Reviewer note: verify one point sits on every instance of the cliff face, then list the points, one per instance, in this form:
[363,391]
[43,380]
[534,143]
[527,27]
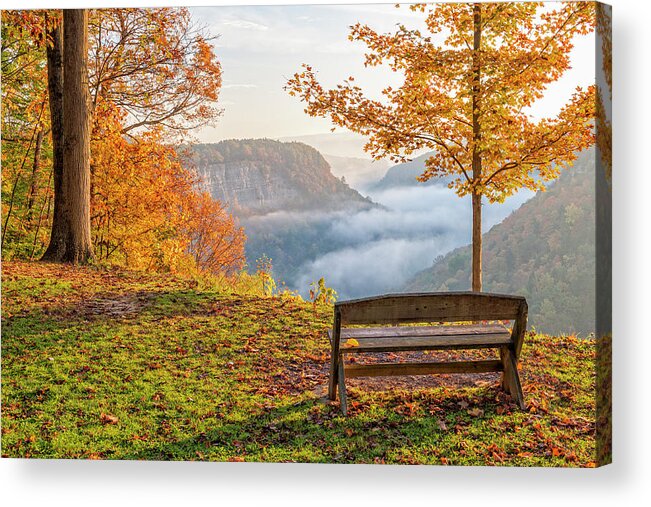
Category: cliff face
[258,176]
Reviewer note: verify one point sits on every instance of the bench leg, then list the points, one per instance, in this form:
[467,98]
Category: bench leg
[335,361]
[511,378]
[342,388]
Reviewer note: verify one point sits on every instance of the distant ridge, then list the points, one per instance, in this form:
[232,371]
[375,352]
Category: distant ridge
[405,174]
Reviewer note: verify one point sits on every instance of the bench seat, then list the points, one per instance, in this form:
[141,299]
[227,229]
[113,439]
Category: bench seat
[412,338]
[403,323]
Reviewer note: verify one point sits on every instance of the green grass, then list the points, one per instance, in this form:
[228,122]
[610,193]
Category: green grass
[118,365]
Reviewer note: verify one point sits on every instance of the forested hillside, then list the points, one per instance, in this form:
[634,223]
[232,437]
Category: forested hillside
[403,175]
[545,251]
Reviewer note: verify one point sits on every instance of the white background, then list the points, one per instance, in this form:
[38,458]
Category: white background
[626,482]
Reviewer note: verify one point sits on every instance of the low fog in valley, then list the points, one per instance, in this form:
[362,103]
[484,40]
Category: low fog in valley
[376,251]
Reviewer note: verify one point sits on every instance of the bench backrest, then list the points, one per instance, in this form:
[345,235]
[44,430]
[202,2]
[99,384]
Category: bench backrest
[433,307]
[430,307]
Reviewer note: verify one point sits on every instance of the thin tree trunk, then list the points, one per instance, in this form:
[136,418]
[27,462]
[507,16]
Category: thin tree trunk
[476,154]
[36,165]
[19,174]
[476,243]
[46,201]
[56,246]
[76,146]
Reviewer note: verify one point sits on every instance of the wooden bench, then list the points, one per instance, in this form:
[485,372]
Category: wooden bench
[389,313]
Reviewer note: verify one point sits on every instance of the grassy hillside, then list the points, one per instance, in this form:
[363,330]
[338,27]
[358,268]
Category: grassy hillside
[545,250]
[108,364]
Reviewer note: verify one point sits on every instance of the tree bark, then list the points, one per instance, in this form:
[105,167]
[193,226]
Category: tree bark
[75,245]
[56,246]
[476,153]
[76,128]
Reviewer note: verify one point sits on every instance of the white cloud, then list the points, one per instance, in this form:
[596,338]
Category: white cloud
[245,25]
[239,85]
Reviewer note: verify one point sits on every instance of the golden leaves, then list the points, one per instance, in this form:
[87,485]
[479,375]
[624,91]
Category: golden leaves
[521,53]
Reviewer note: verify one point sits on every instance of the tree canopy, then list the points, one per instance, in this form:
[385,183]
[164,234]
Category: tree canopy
[153,77]
[469,81]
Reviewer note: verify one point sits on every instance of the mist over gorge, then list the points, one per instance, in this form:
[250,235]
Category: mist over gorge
[369,251]
[312,224]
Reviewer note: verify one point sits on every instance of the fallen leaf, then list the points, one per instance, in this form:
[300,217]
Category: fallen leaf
[476,412]
[351,342]
[108,419]
[502,409]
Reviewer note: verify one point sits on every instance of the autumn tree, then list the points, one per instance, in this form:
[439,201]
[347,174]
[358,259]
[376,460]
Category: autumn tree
[157,65]
[76,246]
[215,240]
[24,125]
[469,81]
[147,211]
[153,77]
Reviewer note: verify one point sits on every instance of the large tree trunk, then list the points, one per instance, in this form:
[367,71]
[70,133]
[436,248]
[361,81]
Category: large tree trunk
[56,247]
[77,245]
[476,154]
[76,128]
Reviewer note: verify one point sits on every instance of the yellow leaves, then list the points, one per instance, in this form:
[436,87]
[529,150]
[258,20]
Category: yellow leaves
[522,51]
[146,211]
[351,342]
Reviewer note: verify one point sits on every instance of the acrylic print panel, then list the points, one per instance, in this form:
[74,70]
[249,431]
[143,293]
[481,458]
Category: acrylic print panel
[319,233]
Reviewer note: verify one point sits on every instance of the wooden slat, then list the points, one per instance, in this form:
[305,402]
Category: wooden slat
[388,369]
[429,307]
[408,343]
[398,331]
[411,331]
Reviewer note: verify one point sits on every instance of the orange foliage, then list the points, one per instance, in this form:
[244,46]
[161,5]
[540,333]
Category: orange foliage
[467,103]
[156,65]
[146,211]
[153,74]
[214,240]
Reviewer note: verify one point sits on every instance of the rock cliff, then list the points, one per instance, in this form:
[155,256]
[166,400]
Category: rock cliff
[259,176]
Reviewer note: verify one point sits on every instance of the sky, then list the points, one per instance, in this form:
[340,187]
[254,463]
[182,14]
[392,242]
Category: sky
[260,47]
